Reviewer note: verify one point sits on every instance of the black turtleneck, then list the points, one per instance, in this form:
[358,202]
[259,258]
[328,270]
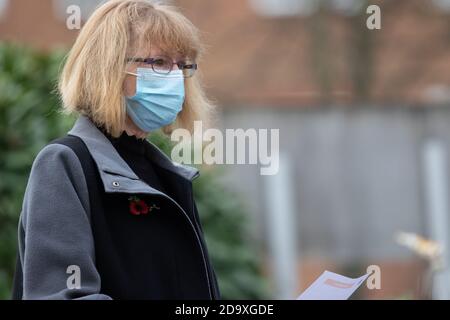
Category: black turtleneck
[134,151]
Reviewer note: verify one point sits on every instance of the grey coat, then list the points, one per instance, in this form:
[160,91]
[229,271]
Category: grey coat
[55,224]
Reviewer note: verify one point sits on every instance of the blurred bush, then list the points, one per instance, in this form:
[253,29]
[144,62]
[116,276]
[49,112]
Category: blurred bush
[29,118]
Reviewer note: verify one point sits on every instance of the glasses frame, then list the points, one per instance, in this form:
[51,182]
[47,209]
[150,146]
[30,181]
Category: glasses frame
[181,65]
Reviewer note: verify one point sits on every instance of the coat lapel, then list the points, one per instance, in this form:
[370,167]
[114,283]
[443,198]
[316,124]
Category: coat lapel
[115,173]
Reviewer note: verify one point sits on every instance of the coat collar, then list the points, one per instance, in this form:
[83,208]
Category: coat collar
[115,173]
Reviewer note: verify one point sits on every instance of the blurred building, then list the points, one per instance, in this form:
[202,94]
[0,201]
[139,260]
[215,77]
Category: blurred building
[355,107]
[288,53]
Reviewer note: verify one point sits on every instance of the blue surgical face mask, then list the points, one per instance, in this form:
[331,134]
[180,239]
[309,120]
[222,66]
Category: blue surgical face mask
[158,99]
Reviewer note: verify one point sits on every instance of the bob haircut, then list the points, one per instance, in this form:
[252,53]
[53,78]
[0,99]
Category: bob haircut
[93,76]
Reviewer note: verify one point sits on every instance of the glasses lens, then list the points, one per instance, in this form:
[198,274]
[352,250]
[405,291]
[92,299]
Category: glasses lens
[162,65]
[189,69]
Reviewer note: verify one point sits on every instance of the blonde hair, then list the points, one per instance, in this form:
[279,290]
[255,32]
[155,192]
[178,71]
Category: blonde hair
[92,79]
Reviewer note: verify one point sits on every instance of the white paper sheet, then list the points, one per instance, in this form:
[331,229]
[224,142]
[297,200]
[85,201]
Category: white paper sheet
[332,286]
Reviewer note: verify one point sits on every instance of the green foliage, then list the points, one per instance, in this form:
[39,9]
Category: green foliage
[29,118]
[224,219]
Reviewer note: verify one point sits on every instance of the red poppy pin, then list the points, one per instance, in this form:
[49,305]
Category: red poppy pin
[140,207]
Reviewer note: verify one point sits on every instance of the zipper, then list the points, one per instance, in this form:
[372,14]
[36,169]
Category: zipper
[199,242]
[213,295]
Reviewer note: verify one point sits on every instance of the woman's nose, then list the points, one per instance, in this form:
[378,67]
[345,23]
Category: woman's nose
[175,66]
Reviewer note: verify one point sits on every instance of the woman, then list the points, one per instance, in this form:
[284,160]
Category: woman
[121,222]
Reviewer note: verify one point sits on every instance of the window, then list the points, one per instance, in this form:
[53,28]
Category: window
[3,7]
[443,4]
[347,7]
[86,6]
[280,8]
[284,8]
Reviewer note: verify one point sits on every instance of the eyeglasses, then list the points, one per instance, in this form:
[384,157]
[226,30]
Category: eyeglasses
[164,65]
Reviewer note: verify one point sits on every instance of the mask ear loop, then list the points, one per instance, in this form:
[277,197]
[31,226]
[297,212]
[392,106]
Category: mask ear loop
[131,73]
